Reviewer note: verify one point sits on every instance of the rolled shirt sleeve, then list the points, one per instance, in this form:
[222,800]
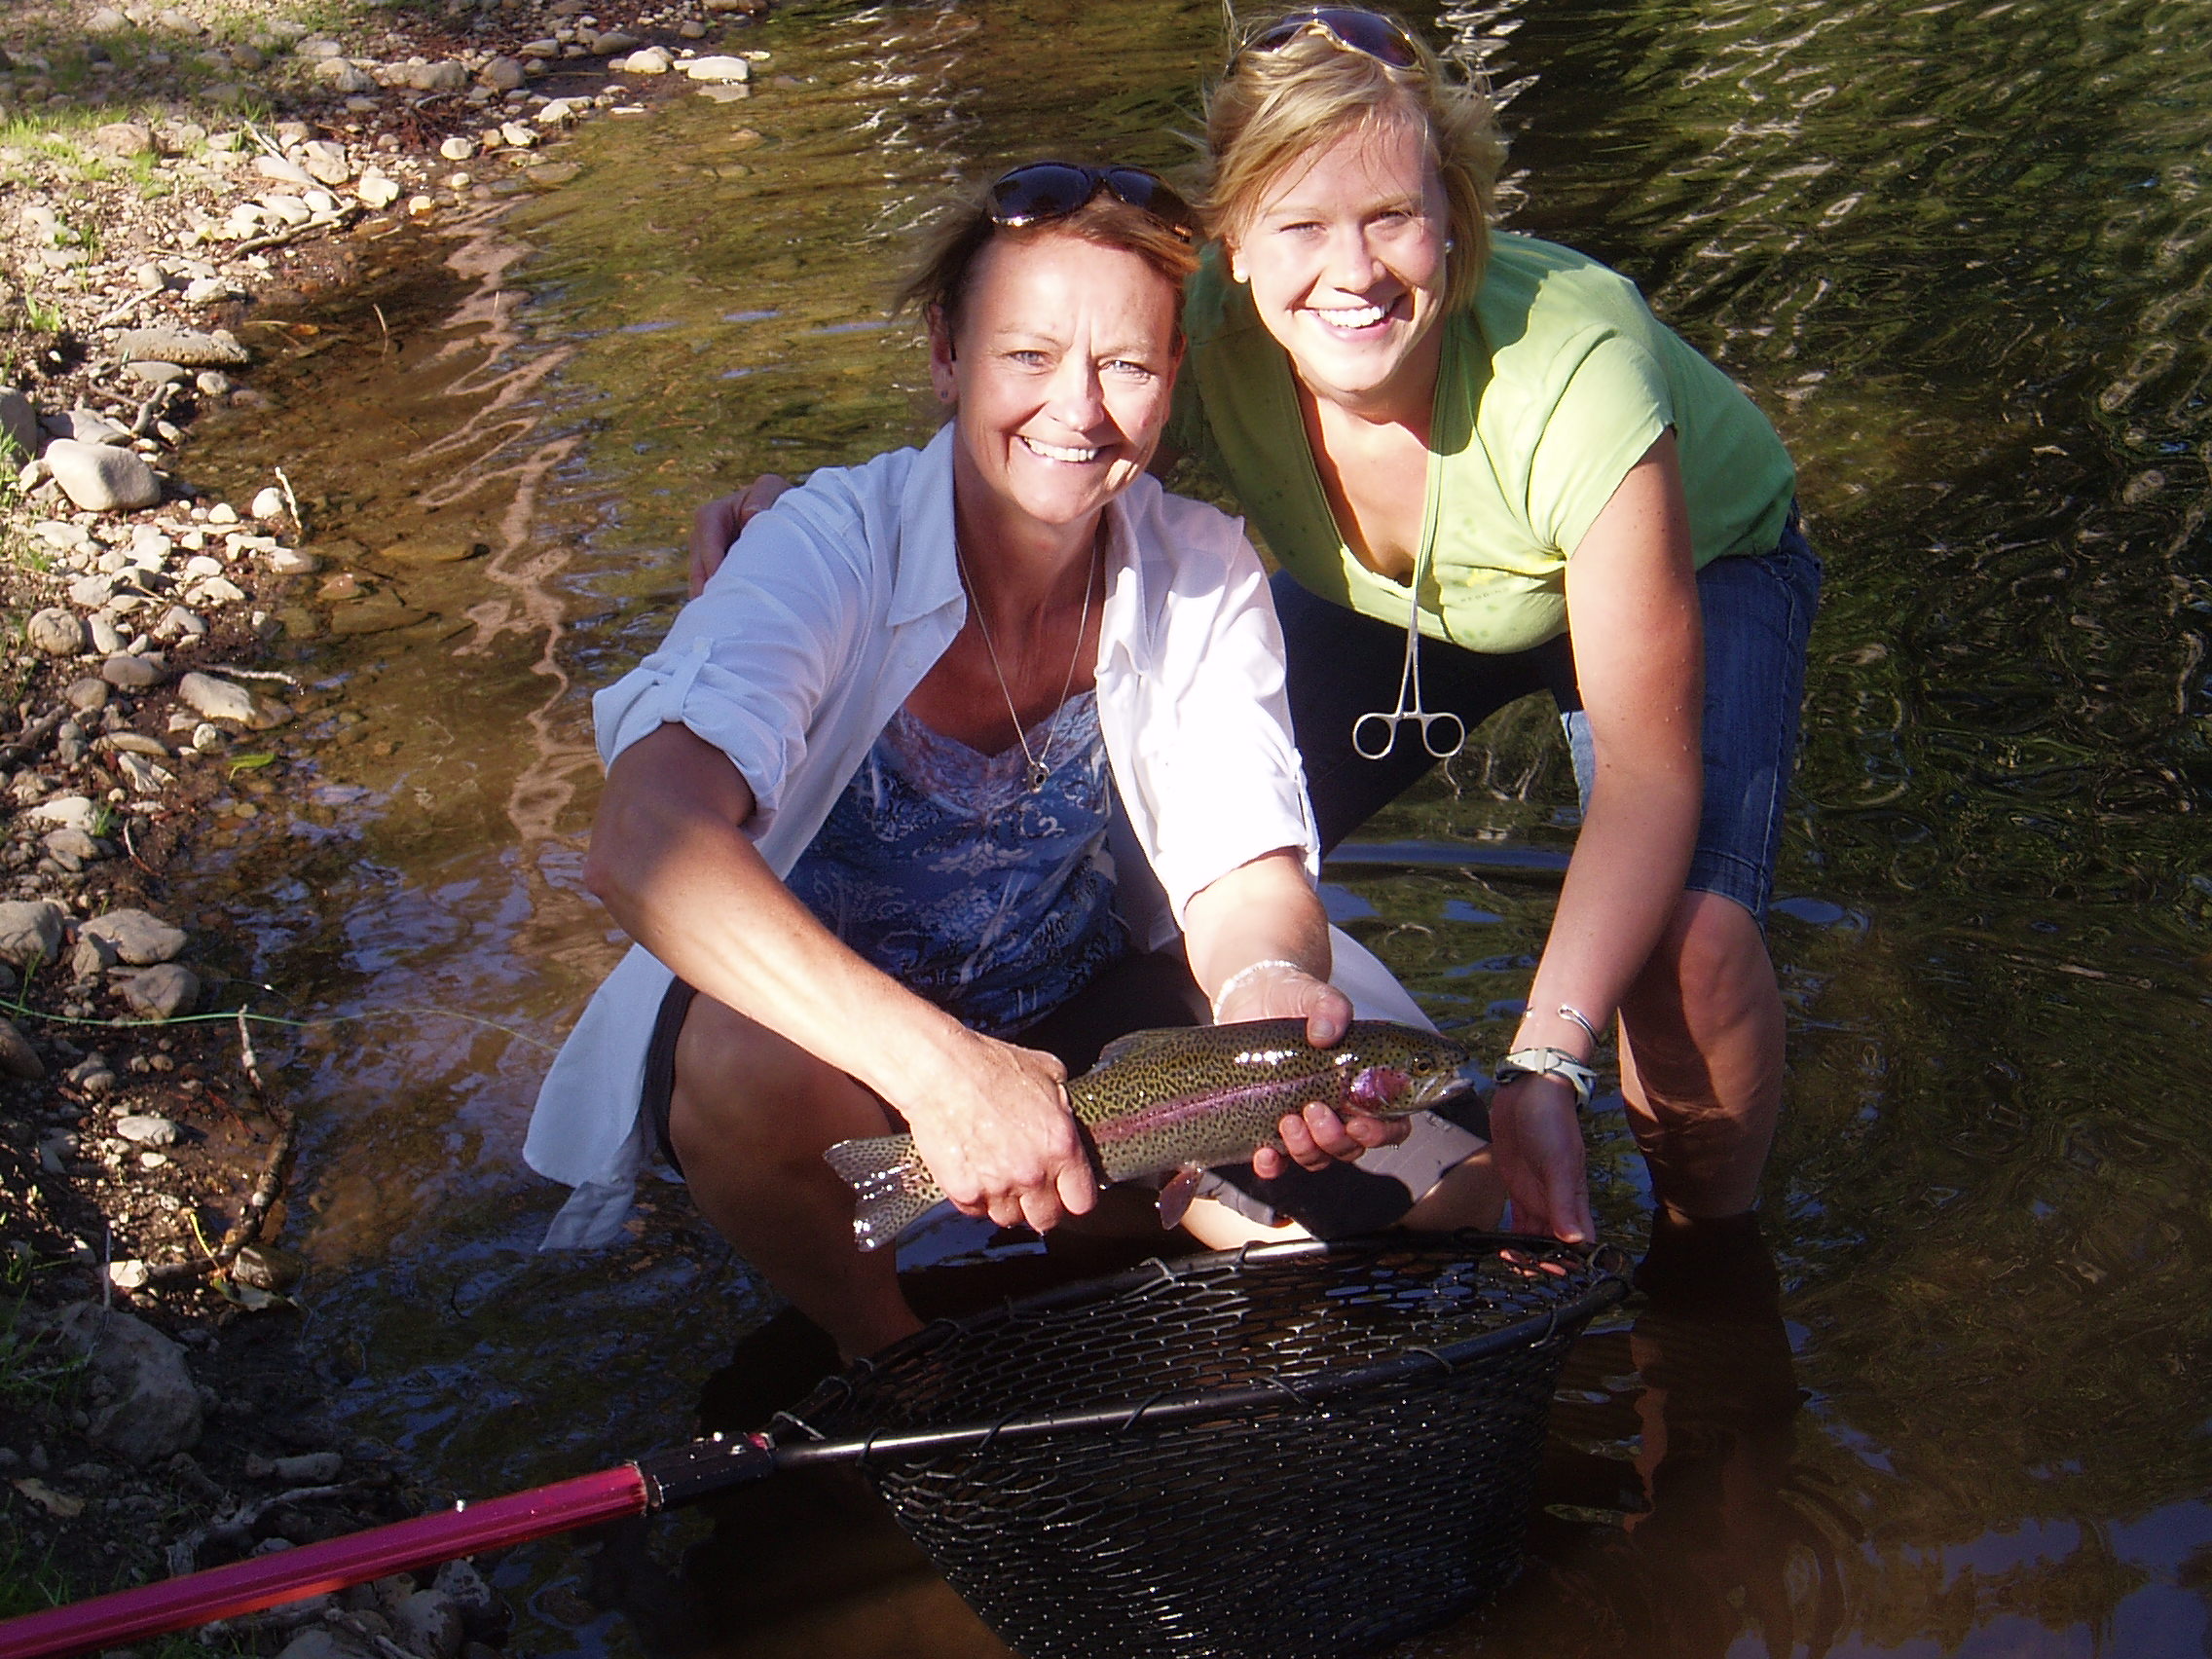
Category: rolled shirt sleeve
[747,665]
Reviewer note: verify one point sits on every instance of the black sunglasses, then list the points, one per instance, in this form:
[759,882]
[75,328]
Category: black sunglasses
[1052,190]
[1345,26]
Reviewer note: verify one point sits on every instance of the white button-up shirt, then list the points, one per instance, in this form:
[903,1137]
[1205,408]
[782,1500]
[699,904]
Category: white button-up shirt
[826,615]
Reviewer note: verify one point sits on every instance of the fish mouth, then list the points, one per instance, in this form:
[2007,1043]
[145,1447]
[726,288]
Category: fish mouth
[1435,1090]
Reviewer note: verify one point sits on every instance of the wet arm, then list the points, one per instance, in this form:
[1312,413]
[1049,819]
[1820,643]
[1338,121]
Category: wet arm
[1638,649]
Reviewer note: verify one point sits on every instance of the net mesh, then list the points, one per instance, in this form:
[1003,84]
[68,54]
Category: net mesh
[1330,1518]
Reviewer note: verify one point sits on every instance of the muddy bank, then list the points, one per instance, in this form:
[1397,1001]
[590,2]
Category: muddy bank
[182,192]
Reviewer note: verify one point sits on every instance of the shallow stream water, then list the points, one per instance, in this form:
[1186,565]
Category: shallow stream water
[1961,252]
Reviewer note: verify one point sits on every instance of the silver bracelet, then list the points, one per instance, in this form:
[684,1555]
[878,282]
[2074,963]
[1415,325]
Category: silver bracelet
[1238,978]
[1568,1011]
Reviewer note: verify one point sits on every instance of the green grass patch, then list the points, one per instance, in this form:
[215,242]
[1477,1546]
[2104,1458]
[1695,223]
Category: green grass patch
[30,1582]
[33,1375]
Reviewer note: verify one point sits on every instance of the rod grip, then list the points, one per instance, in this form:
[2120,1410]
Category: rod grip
[290,1576]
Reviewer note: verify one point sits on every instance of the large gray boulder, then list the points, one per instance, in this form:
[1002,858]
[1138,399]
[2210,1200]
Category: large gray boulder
[153,1411]
[102,478]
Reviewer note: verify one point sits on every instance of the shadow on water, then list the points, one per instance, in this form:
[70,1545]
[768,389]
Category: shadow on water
[1963,254]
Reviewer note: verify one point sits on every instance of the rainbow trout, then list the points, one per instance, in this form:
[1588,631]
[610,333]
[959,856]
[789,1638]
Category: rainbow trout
[1182,1100]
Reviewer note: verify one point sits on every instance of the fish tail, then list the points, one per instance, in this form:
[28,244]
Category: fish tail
[894,1187]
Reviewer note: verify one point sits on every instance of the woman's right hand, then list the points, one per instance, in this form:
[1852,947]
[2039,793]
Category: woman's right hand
[1538,1139]
[1010,1148]
[717,523]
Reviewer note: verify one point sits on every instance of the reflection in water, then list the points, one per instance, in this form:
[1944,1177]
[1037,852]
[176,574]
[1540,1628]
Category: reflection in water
[1962,253]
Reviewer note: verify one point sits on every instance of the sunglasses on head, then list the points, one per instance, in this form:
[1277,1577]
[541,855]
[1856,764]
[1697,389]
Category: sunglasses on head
[1344,27]
[1052,190]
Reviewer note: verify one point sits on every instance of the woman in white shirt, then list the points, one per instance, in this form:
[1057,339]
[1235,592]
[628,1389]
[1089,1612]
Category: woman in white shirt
[858,806]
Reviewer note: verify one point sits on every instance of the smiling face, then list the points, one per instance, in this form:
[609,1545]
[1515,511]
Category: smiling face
[1345,251]
[1062,371]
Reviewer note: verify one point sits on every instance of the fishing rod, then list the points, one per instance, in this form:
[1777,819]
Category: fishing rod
[669,1479]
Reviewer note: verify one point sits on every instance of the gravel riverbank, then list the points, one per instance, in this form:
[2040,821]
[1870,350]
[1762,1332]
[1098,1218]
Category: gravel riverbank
[167,173]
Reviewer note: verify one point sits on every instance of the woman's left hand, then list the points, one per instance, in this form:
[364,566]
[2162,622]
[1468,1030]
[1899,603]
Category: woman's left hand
[1319,1136]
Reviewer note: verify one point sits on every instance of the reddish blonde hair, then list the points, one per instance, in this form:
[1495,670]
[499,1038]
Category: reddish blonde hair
[938,285]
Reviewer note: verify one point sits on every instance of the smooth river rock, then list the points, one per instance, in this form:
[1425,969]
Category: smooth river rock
[56,632]
[19,423]
[163,992]
[146,1128]
[186,346]
[139,937]
[102,478]
[18,1058]
[126,673]
[30,930]
[155,1410]
[88,695]
[215,699]
[71,812]
[719,69]
[429,1624]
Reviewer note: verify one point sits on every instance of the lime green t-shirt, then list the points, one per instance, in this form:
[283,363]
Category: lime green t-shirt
[1552,385]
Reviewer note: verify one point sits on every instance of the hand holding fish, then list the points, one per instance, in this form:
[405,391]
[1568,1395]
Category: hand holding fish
[1317,1137]
[1176,1102]
[1010,1148]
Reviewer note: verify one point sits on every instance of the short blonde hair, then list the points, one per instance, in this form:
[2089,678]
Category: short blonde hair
[1272,108]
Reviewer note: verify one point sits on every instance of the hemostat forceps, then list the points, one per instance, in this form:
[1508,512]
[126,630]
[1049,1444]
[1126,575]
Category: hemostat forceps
[1374,742]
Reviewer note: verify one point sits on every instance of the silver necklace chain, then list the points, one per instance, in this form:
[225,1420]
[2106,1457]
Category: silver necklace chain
[1037,766]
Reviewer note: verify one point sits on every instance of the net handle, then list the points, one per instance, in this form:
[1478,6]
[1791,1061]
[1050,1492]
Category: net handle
[1161,1410]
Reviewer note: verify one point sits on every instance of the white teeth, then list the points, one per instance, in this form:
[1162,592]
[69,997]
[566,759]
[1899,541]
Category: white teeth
[1054,452]
[1350,316]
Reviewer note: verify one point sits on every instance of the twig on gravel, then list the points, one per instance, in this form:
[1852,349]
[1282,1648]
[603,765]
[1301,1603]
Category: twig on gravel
[234,1527]
[250,674]
[298,523]
[246,1056]
[152,409]
[122,310]
[284,239]
[275,1169]
[34,733]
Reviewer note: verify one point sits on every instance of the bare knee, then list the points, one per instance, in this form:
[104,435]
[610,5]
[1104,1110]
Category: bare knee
[1708,988]
[741,1091]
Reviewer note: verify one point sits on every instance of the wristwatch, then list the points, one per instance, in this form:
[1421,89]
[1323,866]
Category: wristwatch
[1551,1062]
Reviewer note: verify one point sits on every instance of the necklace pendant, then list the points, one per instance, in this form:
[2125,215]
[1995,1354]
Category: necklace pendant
[1036,776]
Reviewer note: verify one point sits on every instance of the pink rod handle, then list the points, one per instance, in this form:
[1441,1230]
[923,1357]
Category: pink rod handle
[263,1581]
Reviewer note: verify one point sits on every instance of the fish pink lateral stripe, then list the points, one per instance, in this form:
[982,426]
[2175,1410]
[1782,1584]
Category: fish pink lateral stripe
[1185,1108]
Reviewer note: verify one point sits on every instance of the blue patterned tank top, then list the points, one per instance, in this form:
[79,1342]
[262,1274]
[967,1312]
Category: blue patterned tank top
[940,867]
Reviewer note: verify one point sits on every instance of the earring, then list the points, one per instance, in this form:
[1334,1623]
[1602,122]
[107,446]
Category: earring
[1449,244]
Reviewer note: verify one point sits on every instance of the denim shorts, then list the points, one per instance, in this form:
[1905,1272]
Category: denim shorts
[1759,613]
